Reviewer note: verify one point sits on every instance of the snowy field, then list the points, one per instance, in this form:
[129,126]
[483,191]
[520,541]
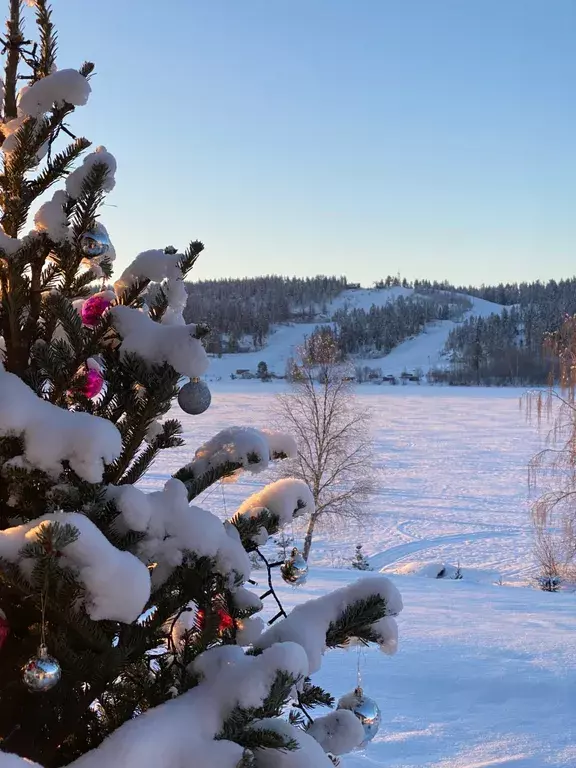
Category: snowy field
[486,673]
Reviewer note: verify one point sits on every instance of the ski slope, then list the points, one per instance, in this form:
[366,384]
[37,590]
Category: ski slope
[424,351]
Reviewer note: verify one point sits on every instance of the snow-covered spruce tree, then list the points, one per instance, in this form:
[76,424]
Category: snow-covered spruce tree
[128,636]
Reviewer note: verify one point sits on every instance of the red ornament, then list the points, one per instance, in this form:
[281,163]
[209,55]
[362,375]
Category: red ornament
[226,621]
[93,309]
[4,628]
[93,383]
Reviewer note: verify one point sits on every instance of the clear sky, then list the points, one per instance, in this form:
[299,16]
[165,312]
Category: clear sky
[435,138]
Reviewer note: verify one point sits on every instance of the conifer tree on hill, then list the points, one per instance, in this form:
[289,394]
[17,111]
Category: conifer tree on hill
[128,634]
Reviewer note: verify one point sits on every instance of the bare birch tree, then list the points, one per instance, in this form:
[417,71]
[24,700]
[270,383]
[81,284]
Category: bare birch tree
[553,469]
[334,447]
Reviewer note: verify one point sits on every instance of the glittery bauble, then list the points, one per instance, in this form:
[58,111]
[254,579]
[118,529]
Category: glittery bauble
[93,383]
[365,709]
[194,397]
[4,628]
[93,309]
[42,672]
[294,570]
[94,244]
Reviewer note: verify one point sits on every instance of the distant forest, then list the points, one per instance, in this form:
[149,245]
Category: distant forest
[242,311]
[503,349]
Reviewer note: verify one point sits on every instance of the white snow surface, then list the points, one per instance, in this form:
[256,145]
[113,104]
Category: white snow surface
[309,754]
[52,435]
[117,583]
[76,179]
[180,733]
[51,219]
[154,265]
[287,498]
[62,86]
[308,623]
[484,674]
[157,343]
[9,244]
[338,732]
[172,528]
[252,448]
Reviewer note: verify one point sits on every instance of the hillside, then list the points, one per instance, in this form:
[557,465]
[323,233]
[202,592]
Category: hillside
[424,351]
[462,335]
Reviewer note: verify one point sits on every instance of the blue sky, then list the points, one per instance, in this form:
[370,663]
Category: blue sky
[362,137]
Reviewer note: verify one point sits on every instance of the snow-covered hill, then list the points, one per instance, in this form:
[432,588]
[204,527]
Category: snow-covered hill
[424,351]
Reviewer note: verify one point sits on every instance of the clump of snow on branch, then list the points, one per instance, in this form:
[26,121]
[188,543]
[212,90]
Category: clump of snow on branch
[171,528]
[252,448]
[153,265]
[181,733]
[308,623]
[154,431]
[66,86]
[158,344]
[76,179]
[52,435]
[287,498]
[249,630]
[177,297]
[51,218]
[117,584]
[245,600]
[309,754]
[184,623]
[281,444]
[338,732]
[10,129]
[8,244]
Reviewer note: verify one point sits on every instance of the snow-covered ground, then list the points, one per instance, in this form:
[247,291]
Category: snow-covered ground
[485,673]
[424,351]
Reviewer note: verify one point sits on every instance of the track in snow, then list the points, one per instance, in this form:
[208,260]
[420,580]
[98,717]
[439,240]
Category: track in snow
[394,554]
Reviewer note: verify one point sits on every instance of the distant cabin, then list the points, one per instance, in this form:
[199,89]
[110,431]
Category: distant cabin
[353,286]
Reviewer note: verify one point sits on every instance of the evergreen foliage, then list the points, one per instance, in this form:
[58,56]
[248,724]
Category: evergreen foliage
[69,512]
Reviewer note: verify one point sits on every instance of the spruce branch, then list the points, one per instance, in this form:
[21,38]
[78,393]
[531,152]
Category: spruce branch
[48,40]
[14,40]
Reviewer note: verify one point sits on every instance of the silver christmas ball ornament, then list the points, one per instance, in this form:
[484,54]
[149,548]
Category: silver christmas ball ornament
[365,709]
[194,398]
[41,672]
[94,243]
[294,570]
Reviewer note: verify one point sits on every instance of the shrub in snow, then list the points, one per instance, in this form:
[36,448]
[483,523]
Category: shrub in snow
[360,562]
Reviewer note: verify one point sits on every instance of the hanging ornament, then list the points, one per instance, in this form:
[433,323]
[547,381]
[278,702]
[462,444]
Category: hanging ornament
[294,569]
[365,709]
[41,672]
[93,383]
[194,398]
[93,309]
[225,621]
[94,243]
[4,628]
